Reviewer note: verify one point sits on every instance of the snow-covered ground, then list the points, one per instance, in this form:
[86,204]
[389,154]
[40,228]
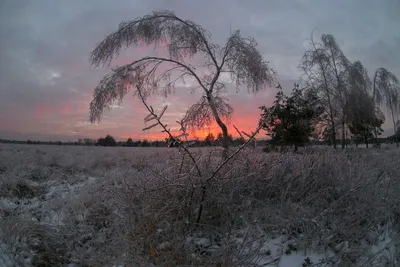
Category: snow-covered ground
[90,206]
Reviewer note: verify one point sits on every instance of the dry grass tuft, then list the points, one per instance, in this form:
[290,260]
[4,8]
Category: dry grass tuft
[33,244]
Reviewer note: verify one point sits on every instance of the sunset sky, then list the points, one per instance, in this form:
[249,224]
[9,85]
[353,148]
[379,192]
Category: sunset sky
[46,83]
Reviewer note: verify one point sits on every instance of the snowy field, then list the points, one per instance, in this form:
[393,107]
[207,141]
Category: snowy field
[93,206]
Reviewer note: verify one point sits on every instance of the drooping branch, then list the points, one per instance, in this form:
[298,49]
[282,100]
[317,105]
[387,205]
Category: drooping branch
[110,89]
[338,61]
[114,86]
[358,78]
[383,83]
[246,64]
[183,38]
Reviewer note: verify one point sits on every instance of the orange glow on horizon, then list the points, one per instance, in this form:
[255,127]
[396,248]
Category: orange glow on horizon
[197,134]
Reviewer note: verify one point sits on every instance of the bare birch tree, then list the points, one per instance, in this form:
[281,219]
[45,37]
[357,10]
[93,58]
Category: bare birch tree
[327,69]
[386,93]
[338,67]
[361,87]
[363,117]
[315,65]
[183,39]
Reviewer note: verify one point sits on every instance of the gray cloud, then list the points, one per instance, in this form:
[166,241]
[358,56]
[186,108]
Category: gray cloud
[44,48]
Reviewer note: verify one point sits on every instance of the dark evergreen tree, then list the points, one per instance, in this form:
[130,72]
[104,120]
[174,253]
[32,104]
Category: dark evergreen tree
[292,117]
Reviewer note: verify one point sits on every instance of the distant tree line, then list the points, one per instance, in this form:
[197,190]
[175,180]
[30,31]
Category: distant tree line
[110,141]
[209,141]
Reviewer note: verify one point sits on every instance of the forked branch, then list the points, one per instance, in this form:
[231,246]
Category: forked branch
[157,118]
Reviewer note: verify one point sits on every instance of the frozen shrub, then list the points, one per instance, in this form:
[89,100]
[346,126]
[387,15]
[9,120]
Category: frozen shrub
[19,187]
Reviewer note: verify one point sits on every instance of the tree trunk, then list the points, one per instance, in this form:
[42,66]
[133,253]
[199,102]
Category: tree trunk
[339,88]
[333,135]
[224,129]
[376,138]
[225,140]
[373,99]
[332,123]
[343,135]
[329,105]
[366,140]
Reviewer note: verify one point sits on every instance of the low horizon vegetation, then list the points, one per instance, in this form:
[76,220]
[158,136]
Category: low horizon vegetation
[209,140]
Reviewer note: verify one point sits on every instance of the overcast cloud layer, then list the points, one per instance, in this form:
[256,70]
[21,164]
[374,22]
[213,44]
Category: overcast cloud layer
[46,83]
